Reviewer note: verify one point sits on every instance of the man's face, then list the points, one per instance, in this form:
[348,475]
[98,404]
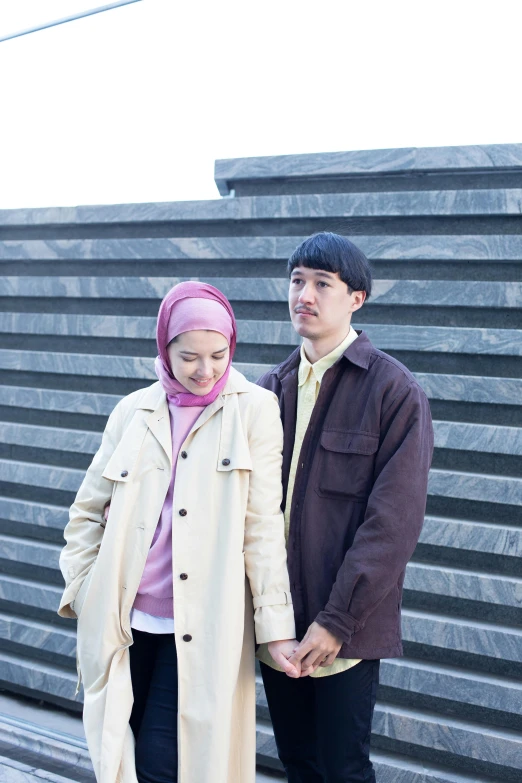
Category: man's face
[320,305]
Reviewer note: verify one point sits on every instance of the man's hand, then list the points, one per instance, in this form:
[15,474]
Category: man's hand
[318,648]
[281,652]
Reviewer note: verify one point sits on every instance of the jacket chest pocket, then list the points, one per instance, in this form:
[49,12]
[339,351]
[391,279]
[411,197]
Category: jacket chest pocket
[346,464]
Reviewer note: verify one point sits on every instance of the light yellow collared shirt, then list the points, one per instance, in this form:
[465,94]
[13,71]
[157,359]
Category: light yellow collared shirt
[310,379]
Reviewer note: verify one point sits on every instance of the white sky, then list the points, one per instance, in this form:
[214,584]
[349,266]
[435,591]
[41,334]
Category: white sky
[136,103]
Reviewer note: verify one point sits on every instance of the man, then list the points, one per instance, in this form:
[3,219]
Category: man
[358,447]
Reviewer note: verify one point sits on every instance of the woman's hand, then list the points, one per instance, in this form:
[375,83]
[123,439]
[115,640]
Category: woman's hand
[318,648]
[281,652]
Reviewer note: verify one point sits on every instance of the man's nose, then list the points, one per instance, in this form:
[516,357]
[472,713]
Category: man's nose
[307,294]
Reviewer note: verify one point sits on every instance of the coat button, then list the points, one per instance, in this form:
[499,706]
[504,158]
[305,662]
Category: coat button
[183,512]
[183,455]
[183,576]
[226,462]
[124,473]
[187,637]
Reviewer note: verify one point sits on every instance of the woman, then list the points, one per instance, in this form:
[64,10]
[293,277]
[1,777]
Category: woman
[191,468]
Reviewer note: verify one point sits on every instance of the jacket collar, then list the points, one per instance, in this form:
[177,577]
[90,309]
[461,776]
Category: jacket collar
[357,353]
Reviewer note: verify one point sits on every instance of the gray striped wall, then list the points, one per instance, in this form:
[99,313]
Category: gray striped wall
[79,291]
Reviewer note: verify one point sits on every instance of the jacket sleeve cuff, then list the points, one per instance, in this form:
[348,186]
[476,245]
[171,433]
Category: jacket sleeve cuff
[274,623]
[340,624]
[273,599]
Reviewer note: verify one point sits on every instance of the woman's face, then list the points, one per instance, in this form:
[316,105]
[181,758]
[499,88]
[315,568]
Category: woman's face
[198,359]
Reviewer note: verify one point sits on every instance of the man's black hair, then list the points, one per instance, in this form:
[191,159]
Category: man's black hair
[334,253]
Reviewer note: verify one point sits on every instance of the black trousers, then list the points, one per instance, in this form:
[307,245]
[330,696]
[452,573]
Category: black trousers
[154,718]
[322,725]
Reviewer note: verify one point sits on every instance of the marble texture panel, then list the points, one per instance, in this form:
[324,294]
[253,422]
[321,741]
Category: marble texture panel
[78,364]
[337,164]
[440,293]
[459,583]
[449,735]
[55,438]
[12,771]
[65,749]
[47,476]
[31,513]
[30,552]
[480,537]
[442,339]
[442,682]
[39,636]
[424,203]
[470,388]
[477,437]
[475,486]
[377,248]
[58,400]
[458,634]
[26,593]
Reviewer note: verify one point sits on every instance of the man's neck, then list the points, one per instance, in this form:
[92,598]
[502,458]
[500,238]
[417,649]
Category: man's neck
[318,349]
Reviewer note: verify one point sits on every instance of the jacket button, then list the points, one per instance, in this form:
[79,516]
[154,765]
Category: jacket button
[183,455]
[226,462]
[124,473]
[183,512]
[183,576]
[187,637]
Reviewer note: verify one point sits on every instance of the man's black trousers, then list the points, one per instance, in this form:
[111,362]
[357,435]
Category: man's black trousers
[322,725]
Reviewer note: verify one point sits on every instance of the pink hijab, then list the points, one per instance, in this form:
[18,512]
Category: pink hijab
[186,307]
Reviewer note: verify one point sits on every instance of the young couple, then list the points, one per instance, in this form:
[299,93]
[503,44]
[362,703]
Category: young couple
[175,585]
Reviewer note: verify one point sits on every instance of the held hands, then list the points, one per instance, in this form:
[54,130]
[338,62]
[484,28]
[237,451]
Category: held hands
[281,652]
[318,648]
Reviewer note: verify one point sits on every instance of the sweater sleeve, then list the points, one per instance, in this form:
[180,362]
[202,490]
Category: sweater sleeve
[394,516]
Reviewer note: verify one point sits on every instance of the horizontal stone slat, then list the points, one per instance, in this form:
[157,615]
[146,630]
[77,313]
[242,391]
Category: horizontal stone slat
[483,537]
[478,437]
[428,203]
[39,636]
[458,634]
[440,293]
[458,583]
[475,486]
[55,438]
[367,162]
[28,593]
[443,682]
[30,513]
[32,474]
[90,403]
[377,248]
[32,553]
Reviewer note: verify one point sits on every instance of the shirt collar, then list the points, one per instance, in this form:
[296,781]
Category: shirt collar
[319,368]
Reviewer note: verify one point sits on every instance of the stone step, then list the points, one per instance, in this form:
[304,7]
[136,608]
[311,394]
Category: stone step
[437,635]
[37,597]
[365,165]
[40,638]
[34,554]
[423,203]
[454,248]
[439,293]
[23,513]
[433,339]
[448,435]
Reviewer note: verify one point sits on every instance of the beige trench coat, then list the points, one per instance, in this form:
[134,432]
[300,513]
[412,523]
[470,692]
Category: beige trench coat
[230,486]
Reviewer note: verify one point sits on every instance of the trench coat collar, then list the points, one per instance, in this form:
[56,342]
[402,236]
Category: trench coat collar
[154,399]
[357,353]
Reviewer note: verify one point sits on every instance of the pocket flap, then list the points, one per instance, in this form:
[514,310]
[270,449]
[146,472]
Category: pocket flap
[350,441]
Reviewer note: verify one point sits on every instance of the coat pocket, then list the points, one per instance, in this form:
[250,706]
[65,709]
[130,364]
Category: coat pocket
[347,460]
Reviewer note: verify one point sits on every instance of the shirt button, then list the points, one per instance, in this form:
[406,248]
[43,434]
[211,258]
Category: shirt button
[183,576]
[124,473]
[187,637]
[183,455]
[183,512]
[226,462]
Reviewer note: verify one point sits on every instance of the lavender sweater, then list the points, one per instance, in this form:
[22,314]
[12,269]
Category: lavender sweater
[155,593]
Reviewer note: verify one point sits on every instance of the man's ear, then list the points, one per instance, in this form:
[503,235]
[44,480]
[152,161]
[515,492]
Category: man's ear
[358,299]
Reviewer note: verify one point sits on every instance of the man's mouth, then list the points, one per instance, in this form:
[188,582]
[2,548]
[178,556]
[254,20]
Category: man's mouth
[305,313]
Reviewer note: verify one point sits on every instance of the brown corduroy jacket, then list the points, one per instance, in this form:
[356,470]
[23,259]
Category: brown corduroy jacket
[359,496]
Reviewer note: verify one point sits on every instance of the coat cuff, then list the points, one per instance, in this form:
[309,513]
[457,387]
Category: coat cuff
[274,623]
[340,624]
[273,599]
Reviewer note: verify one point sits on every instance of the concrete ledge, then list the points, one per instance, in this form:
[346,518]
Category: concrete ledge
[472,536]
[95,404]
[65,479]
[39,636]
[338,164]
[29,593]
[477,437]
[30,513]
[54,438]
[475,486]
[30,552]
